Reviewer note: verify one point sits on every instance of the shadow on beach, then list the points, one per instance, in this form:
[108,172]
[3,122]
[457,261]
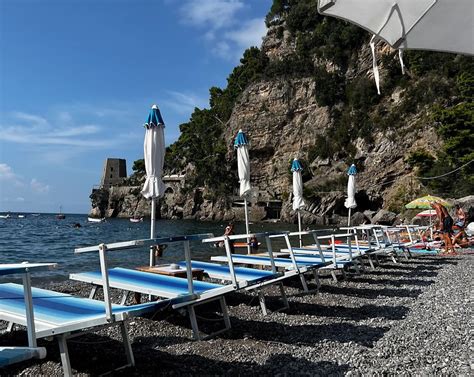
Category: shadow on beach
[370,293]
[353,313]
[154,362]
[305,334]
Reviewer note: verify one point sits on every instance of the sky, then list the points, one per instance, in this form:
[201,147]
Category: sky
[78,77]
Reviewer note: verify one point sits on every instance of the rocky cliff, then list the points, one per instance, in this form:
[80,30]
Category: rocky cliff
[285,115]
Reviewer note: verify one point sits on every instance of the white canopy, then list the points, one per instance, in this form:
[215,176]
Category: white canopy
[298,201]
[154,155]
[437,25]
[243,167]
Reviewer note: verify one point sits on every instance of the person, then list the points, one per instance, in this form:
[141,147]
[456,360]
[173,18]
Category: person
[446,224]
[460,239]
[158,250]
[229,231]
[460,221]
[253,244]
[77,225]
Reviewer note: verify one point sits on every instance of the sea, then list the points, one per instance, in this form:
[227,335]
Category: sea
[43,238]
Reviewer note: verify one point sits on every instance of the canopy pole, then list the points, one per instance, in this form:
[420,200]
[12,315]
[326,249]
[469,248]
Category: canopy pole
[299,228]
[247,224]
[152,231]
[349,218]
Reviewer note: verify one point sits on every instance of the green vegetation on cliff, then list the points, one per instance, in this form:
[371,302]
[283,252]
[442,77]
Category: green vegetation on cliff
[438,88]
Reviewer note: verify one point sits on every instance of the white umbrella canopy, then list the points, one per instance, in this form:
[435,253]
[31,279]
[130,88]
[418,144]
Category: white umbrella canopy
[154,155]
[243,163]
[436,25]
[298,201]
[243,167]
[350,201]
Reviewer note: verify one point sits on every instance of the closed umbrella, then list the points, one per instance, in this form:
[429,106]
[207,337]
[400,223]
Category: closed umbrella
[154,155]
[435,25]
[350,202]
[243,167]
[298,202]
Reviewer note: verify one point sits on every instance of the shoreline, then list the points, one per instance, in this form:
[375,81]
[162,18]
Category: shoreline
[412,317]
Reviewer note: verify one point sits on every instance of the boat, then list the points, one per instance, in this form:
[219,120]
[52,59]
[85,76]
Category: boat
[60,215]
[21,216]
[35,214]
[135,220]
[96,220]
[7,216]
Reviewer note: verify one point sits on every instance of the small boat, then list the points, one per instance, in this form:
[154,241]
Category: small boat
[35,214]
[135,220]
[96,220]
[60,215]
[7,216]
[21,216]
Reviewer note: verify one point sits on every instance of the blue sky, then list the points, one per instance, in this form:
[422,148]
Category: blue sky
[77,79]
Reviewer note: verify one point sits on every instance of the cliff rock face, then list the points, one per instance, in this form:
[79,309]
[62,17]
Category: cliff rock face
[282,120]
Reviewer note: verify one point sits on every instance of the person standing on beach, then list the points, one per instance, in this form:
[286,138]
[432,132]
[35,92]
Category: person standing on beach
[446,225]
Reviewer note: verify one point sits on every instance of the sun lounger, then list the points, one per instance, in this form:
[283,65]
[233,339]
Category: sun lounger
[186,293]
[47,313]
[290,265]
[245,278]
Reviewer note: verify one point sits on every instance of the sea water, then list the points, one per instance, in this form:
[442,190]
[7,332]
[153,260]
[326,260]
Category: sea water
[46,239]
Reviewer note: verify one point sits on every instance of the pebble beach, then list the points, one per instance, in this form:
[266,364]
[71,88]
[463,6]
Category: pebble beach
[413,317]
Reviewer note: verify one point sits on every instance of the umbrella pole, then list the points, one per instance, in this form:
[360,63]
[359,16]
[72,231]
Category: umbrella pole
[152,232]
[431,230]
[247,224]
[349,217]
[299,227]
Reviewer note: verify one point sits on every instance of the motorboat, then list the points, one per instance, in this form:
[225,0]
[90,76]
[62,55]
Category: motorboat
[96,220]
[136,220]
[7,216]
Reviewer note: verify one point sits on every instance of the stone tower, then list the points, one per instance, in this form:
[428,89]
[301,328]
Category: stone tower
[115,170]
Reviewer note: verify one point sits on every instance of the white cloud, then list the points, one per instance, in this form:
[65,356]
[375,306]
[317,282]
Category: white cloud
[184,103]
[225,29]
[61,130]
[7,175]
[249,34]
[213,14]
[39,187]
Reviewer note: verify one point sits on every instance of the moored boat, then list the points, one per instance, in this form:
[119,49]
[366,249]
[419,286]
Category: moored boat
[96,220]
[60,215]
[135,220]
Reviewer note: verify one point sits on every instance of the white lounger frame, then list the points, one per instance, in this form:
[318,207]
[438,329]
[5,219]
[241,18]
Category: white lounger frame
[188,302]
[64,333]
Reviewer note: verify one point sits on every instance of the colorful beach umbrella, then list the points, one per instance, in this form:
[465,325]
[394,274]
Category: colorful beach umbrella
[426,213]
[298,201]
[350,201]
[425,202]
[243,166]
[154,155]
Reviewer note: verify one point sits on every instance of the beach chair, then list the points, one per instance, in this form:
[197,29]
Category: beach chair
[249,279]
[48,314]
[290,266]
[340,260]
[185,293]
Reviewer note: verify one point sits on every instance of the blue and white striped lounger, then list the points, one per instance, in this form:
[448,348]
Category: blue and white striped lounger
[163,286]
[11,355]
[155,284]
[286,263]
[248,278]
[64,316]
